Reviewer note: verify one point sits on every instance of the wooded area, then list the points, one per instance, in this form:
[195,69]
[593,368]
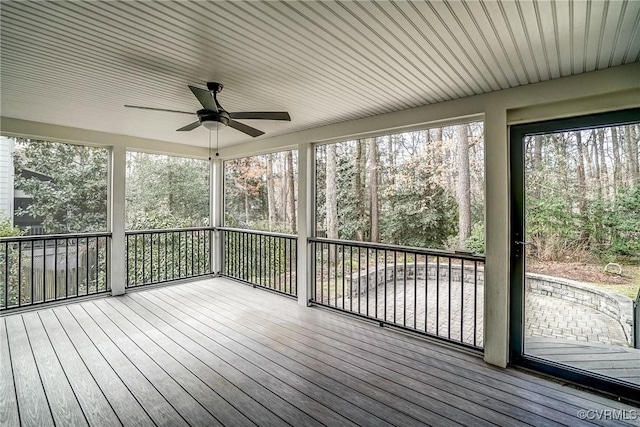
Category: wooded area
[583,195]
[260,192]
[422,188]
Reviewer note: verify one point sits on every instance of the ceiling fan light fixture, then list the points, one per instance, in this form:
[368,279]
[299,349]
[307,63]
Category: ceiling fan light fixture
[211,124]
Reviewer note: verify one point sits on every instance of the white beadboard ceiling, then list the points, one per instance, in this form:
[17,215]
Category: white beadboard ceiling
[77,63]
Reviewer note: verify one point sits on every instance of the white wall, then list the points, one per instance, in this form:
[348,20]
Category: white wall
[6,178]
[603,90]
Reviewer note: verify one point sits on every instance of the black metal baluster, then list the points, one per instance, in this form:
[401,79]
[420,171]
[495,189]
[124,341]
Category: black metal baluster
[77,267]
[343,251]
[32,280]
[66,269]
[19,275]
[395,279]
[461,300]
[438,295]
[385,285]
[87,269]
[192,253]
[426,290]
[144,259]
[97,264]
[415,290]
[127,252]
[151,235]
[321,272]
[359,277]
[367,283]
[335,275]
[350,278]
[44,271]
[376,285]
[6,275]
[475,301]
[404,292]
[107,286]
[55,270]
[449,302]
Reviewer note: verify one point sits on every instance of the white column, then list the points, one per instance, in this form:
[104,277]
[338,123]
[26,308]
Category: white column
[116,203]
[216,182]
[306,179]
[497,235]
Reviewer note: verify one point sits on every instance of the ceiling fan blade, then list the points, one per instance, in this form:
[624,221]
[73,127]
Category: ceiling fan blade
[158,109]
[261,115]
[205,98]
[244,128]
[191,126]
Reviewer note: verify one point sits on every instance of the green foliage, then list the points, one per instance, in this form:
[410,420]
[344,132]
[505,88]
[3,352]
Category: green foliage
[166,192]
[74,199]
[7,230]
[420,211]
[623,220]
[475,242]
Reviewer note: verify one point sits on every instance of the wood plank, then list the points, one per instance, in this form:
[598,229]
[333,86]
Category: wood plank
[92,400]
[149,398]
[464,410]
[457,362]
[178,398]
[173,361]
[91,376]
[306,410]
[338,404]
[32,401]
[9,415]
[203,325]
[64,406]
[513,404]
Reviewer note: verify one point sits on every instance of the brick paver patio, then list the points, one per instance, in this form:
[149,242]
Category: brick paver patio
[546,316]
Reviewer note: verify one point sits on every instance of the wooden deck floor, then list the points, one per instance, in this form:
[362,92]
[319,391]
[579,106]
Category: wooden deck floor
[215,352]
[618,362]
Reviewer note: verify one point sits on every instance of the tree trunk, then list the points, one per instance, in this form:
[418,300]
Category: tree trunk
[373,189]
[332,203]
[537,152]
[291,191]
[359,188]
[271,203]
[632,155]
[464,185]
[617,181]
[604,178]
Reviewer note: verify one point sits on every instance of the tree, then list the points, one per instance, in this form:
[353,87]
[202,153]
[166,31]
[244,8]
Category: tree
[373,189]
[331,205]
[74,199]
[464,185]
[291,190]
[166,192]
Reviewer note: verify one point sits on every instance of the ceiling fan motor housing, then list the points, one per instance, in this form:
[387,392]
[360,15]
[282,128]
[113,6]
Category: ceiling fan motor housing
[209,118]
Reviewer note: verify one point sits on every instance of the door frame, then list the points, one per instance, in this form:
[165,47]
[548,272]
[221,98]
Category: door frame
[517,357]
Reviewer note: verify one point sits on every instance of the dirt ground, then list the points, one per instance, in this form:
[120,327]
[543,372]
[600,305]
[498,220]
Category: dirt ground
[626,283]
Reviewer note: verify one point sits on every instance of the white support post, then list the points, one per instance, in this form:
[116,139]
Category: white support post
[216,197]
[306,179]
[116,203]
[496,291]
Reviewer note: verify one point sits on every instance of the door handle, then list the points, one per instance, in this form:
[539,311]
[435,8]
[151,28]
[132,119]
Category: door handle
[523,243]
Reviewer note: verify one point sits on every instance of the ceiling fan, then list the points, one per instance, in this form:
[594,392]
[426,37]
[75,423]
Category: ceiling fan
[213,113]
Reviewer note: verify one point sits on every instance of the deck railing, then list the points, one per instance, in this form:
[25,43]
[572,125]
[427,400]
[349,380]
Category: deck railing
[433,292]
[156,256]
[267,260]
[636,321]
[39,269]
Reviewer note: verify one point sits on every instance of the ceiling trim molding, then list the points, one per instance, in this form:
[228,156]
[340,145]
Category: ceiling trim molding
[28,129]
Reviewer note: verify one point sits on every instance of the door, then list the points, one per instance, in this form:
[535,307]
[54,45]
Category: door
[575,257]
